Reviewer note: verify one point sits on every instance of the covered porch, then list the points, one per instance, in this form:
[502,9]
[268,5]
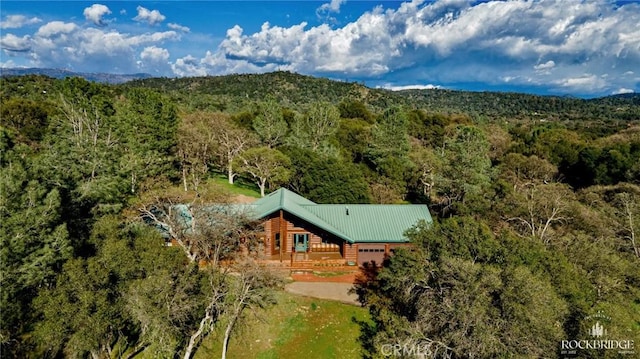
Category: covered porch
[312,256]
[304,253]
[289,239]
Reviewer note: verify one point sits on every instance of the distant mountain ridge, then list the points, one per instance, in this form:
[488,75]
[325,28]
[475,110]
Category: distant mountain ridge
[291,89]
[236,92]
[106,78]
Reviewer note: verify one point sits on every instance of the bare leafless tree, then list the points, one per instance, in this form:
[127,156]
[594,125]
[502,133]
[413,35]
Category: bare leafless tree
[196,141]
[630,211]
[251,288]
[230,141]
[222,238]
[539,207]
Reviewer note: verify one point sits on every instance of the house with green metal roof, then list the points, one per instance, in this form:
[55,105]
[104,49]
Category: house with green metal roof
[300,230]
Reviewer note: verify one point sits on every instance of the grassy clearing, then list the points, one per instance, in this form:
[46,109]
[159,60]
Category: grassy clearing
[297,327]
[238,187]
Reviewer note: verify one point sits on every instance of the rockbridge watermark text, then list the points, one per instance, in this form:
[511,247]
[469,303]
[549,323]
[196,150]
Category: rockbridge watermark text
[599,340]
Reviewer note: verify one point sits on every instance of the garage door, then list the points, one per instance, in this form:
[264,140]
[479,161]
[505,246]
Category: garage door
[370,253]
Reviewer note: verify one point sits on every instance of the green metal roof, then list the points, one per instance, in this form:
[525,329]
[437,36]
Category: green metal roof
[373,223]
[280,199]
[351,222]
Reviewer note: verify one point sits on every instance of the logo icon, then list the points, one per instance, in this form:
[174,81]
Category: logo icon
[597,330]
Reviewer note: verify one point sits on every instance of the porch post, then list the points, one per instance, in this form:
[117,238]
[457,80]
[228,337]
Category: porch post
[283,233]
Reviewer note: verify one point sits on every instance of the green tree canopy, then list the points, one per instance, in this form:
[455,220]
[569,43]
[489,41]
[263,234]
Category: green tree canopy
[326,180]
[269,123]
[389,146]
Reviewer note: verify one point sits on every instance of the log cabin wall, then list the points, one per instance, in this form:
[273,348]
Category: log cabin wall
[287,226]
[271,227]
[267,236]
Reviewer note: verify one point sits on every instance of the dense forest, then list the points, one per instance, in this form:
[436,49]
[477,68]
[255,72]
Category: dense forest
[536,206]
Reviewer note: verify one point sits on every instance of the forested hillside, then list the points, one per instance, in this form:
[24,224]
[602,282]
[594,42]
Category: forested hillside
[292,89]
[63,73]
[536,205]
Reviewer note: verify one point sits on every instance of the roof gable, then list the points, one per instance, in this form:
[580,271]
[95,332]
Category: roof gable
[280,199]
[283,199]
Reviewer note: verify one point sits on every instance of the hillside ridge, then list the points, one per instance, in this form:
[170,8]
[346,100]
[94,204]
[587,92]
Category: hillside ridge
[236,91]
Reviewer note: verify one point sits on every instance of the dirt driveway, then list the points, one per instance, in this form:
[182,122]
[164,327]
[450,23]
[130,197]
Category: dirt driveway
[324,290]
[339,277]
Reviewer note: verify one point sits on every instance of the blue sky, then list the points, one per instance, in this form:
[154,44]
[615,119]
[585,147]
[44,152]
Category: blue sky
[560,47]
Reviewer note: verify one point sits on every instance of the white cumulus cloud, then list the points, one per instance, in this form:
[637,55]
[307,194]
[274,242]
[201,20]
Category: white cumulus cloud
[155,54]
[59,44]
[621,91]
[188,66]
[178,27]
[325,10]
[409,87]
[95,13]
[55,28]
[8,64]
[589,82]
[333,6]
[461,41]
[18,21]
[113,44]
[154,59]
[12,42]
[546,66]
[151,17]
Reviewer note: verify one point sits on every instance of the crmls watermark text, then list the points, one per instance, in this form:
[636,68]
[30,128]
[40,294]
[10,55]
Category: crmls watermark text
[598,344]
[427,350]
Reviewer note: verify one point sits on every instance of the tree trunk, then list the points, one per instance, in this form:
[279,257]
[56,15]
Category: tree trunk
[194,338]
[632,232]
[136,350]
[230,173]
[227,335]
[262,184]
[239,306]
[184,178]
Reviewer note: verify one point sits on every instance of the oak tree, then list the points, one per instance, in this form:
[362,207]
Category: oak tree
[266,166]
